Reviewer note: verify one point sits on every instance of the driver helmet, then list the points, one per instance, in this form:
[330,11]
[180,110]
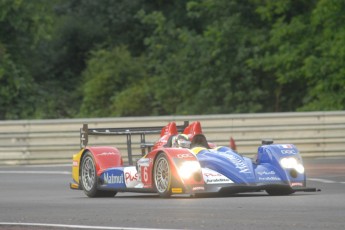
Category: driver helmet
[181,141]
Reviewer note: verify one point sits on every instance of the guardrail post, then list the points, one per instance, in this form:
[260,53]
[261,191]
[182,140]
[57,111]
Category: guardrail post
[129,148]
[84,136]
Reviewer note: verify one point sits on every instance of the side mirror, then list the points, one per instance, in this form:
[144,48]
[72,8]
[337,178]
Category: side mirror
[267,141]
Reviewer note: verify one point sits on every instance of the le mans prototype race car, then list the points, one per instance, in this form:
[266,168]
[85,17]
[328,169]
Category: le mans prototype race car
[167,169]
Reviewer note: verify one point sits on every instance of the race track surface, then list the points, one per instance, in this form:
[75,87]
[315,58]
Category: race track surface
[38,197]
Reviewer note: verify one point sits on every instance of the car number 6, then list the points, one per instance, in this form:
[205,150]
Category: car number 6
[146,175]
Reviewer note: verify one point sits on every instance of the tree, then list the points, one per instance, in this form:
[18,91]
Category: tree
[16,88]
[115,84]
[324,68]
[304,52]
[80,28]
[22,25]
[68,58]
[204,70]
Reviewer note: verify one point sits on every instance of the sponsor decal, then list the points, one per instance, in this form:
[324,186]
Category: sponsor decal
[114,178]
[176,190]
[269,178]
[185,155]
[131,177]
[288,151]
[110,178]
[286,146]
[107,154]
[265,173]
[75,163]
[213,177]
[144,162]
[294,184]
[217,181]
[162,140]
[199,188]
[238,162]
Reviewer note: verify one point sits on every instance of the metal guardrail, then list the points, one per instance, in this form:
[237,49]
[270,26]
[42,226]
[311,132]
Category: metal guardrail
[316,134]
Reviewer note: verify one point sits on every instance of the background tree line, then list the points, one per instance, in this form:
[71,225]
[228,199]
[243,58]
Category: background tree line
[86,58]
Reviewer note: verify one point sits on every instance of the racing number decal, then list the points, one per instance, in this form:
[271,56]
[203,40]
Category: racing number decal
[145,175]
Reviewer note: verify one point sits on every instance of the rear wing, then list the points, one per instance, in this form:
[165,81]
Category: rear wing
[85,131]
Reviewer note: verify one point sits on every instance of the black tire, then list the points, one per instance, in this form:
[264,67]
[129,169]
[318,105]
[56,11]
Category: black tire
[162,176]
[279,192]
[88,178]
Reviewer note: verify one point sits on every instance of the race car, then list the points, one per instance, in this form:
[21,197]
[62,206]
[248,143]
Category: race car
[182,161]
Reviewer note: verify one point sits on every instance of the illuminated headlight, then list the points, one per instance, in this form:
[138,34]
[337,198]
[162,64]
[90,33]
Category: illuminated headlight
[300,168]
[292,163]
[188,168]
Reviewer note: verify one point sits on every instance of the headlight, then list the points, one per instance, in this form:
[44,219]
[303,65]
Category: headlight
[288,163]
[188,168]
[292,163]
[300,168]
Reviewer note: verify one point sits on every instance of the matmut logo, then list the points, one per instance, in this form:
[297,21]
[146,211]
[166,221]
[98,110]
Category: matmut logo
[112,179]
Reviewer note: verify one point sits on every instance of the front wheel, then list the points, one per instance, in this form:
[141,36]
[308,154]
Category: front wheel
[162,176]
[88,178]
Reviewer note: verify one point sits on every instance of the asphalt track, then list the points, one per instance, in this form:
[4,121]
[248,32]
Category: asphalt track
[38,197]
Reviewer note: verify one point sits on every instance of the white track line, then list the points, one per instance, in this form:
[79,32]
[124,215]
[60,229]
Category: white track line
[74,226]
[325,181]
[34,172]
[36,166]
[48,165]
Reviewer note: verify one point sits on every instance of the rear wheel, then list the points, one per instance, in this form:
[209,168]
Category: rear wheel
[162,176]
[88,178]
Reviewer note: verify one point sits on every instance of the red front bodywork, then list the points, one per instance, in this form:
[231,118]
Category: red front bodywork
[110,157]
[105,157]
[173,153]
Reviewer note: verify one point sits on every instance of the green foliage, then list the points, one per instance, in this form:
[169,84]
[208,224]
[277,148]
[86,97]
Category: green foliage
[86,58]
[305,53]
[112,78]
[23,24]
[324,69]
[136,100]
[15,88]
[203,72]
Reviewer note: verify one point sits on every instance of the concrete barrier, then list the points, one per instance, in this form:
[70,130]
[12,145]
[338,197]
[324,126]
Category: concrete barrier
[316,134]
